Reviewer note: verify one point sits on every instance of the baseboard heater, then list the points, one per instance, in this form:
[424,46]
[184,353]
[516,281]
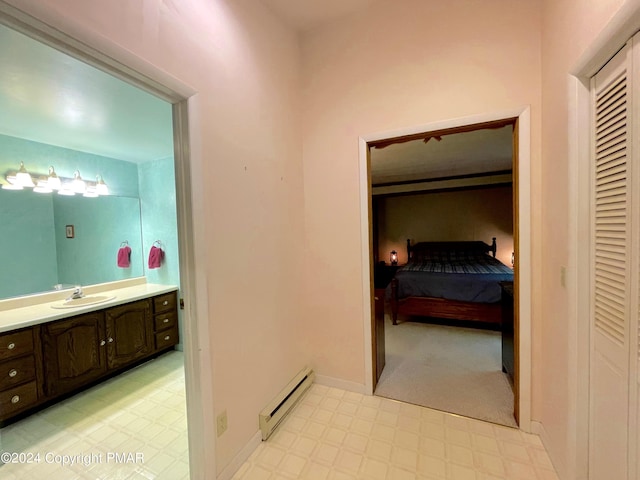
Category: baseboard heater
[278,408]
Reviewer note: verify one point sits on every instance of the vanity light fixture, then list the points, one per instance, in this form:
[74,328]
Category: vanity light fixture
[66,191]
[78,185]
[42,186]
[23,177]
[91,192]
[12,185]
[49,183]
[18,180]
[101,187]
[52,182]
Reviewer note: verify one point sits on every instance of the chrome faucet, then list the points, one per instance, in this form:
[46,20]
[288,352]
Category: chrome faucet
[77,293]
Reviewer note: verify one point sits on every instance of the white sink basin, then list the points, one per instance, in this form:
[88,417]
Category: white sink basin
[84,301]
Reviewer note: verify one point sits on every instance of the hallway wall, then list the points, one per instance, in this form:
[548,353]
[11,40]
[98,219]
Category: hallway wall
[246,173]
[398,64]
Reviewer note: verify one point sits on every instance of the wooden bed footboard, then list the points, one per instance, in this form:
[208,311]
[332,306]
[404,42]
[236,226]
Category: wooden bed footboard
[443,308]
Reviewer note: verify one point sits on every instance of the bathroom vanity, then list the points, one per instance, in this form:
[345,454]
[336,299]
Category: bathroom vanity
[47,353]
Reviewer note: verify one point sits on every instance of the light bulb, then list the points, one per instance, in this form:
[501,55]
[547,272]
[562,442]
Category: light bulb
[53,180]
[78,185]
[23,177]
[42,186]
[101,187]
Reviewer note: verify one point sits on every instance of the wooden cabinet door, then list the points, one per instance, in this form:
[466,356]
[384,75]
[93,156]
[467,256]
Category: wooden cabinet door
[74,352]
[129,333]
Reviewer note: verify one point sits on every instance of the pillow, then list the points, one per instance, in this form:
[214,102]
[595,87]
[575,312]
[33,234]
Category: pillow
[436,251]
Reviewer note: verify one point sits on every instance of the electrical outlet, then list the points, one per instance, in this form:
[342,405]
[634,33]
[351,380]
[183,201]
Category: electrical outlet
[221,423]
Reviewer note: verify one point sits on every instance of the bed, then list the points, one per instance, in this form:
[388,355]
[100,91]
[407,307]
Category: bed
[450,280]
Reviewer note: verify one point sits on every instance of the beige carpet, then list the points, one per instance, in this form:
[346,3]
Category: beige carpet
[454,369]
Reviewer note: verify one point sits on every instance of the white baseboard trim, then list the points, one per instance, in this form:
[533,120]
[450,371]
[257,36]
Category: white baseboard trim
[538,429]
[235,464]
[342,384]
[242,456]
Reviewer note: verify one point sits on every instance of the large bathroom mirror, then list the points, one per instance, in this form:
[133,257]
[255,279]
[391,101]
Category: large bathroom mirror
[53,241]
[59,113]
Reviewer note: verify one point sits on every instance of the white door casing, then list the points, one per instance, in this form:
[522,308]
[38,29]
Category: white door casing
[612,254]
[523,115]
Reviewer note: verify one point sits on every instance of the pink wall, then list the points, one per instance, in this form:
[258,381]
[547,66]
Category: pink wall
[568,29]
[478,214]
[245,142]
[400,63]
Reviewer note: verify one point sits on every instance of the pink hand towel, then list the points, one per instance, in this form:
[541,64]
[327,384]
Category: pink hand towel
[155,257]
[124,257]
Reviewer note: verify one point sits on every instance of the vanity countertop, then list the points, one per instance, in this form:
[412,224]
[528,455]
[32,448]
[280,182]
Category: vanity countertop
[27,316]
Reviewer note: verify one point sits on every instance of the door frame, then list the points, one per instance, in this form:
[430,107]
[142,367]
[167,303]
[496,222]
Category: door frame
[624,24]
[106,55]
[522,239]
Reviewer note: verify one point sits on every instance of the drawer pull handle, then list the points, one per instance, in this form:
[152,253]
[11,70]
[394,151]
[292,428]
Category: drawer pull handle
[165,303]
[13,372]
[15,399]
[110,340]
[167,337]
[11,346]
[165,320]
[103,343]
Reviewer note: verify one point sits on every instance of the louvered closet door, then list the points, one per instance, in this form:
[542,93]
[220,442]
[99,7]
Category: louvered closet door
[611,273]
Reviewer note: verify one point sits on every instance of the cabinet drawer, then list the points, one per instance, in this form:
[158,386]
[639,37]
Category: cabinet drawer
[164,321]
[165,303]
[14,344]
[166,338]
[17,398]
[17,371]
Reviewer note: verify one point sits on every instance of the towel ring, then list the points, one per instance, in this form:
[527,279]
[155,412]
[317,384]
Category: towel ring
[158,242]
[124,243]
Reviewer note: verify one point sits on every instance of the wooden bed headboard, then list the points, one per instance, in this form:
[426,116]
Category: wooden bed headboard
[472,246]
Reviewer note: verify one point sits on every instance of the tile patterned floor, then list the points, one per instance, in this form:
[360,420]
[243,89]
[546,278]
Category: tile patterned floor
[141,411]
[332,434]
[338,435]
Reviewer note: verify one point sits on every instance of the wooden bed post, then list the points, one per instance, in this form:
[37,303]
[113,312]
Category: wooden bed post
[408,250]
[494,247]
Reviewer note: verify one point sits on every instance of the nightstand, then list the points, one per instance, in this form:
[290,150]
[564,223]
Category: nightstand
[382,276]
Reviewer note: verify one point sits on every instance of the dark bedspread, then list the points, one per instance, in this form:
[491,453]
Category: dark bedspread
[463,276]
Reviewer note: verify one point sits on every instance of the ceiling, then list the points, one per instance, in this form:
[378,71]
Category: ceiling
[49,97]
[304,15]
[457,154]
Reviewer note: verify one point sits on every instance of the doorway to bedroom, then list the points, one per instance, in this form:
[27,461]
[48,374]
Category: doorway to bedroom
[443,236]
